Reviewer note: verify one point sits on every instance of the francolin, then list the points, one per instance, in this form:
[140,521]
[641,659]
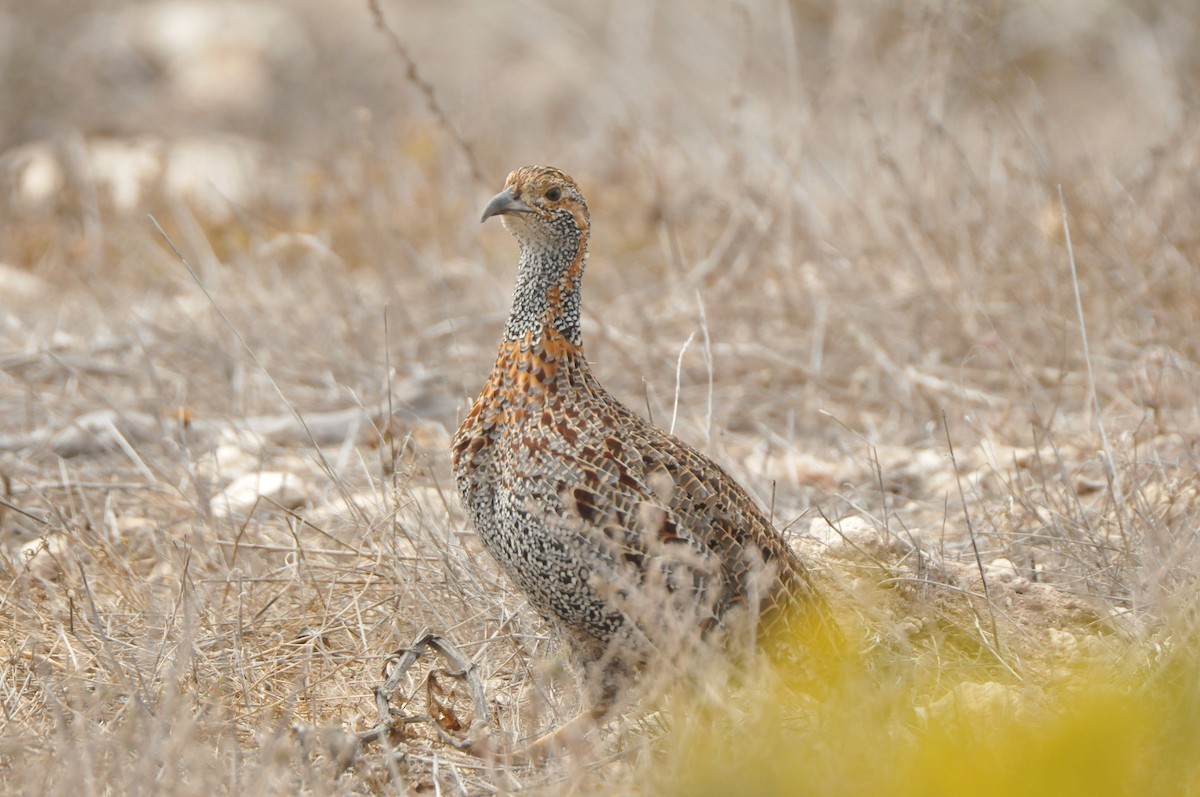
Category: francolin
[632,542]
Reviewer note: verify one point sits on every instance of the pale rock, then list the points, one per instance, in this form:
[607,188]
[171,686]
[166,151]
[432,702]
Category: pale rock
[163,572]
[928,461]
[133,526]
[279,488]
[62,340]
[193,57]
[909,627]
[193,306]
[227,462]
[852,532]
[234,461]
[1064,643]
[214,173]
[33,175]
[972,704]
[221,56]
[44,556]
[1002,570]
[123,168]
[237,452]
[18,285]
[342,507]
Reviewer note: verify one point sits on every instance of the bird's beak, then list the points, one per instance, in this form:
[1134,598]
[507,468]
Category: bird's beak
[504,202]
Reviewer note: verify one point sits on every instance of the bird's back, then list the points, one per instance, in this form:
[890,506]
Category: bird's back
[605,521]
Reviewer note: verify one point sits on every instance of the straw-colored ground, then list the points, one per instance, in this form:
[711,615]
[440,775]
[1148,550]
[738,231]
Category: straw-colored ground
[828,249]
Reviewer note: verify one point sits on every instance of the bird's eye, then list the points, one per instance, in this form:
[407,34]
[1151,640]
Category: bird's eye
[554,195]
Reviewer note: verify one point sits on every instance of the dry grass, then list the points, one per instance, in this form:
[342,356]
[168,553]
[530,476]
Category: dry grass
[854,212]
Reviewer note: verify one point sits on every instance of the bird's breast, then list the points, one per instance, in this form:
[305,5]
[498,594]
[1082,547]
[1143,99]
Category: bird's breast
[523,389]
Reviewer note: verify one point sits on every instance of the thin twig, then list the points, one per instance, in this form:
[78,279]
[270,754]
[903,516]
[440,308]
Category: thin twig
[962,496]
[387,366]
[21,511]
[462,669]
[1109,463]
[413,75]
[678,377]
[708,362]
[646,396]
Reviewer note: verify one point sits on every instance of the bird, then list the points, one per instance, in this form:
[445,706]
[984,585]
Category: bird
[632,542]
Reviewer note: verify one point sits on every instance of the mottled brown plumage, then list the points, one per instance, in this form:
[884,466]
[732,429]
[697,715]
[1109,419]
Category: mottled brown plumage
[633,542]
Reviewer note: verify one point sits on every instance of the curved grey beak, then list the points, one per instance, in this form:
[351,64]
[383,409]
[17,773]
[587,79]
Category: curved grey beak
[504,202]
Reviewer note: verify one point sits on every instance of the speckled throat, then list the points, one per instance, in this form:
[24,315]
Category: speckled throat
[546,299]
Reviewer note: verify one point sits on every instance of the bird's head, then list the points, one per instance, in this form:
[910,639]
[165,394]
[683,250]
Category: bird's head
[542,208]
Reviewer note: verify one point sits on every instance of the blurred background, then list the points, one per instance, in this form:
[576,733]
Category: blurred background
[605,89]
[532,79]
